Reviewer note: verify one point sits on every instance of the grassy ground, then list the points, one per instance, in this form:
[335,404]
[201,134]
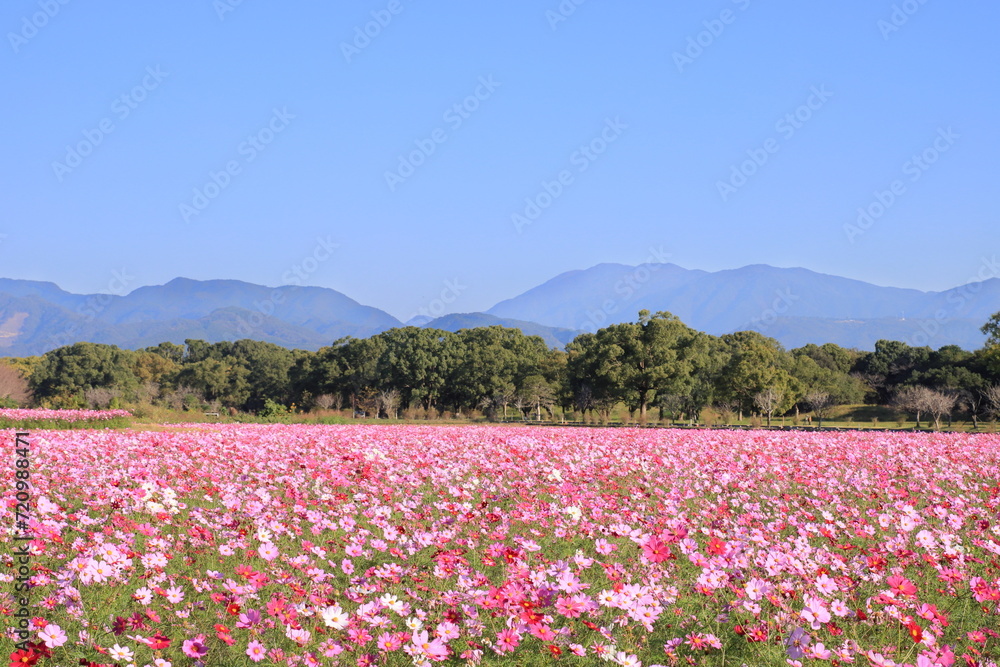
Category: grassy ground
[841,417]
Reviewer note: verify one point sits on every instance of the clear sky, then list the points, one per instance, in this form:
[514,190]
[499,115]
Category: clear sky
[244,139]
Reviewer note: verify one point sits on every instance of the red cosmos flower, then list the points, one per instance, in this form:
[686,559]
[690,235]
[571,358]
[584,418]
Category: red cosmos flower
[158,641]
[555,650]
[916,632]
[24,658]
[233,609]
[901,585]
[716,547]
[222,632]
[876,562]
[40,648]
[655,550]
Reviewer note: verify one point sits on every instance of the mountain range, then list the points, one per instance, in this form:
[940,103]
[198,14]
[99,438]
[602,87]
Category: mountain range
[796,306]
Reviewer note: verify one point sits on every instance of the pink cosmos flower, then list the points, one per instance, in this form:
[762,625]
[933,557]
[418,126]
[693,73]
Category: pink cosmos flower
[195,648]
[508,639]
[52,635]
[435,649]
[256,651]
[655,550]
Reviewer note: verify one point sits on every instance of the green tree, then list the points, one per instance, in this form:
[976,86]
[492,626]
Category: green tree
[494,361]
[417,362]
[755,364]
[992,330]
[830,356]
[217,380]
[814,376]
[268,371]
[150,367]
[586,387]
[68,371]
[636,362]
[890,366]
[171,351]
[538,393]
[708,356]
[349,367]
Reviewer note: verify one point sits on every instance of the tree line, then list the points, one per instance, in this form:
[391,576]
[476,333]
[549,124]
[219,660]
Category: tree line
[656,363]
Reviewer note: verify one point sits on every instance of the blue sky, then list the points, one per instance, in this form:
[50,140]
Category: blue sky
[494,145]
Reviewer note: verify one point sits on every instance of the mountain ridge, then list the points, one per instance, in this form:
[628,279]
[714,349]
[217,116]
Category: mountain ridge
[795,305]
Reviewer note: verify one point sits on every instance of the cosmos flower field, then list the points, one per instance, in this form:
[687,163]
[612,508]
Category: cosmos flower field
[410,545]
[19,414]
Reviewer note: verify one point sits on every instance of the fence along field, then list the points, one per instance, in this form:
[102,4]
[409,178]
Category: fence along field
[405,545]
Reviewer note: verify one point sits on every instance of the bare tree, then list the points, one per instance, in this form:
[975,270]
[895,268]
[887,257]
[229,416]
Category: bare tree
[99,398]
[147,392]
[498,400]
[389,402]
[727,410]
[673,404]
[538,394]
[820,402]
[328,401]
[183,397]
[991,399]
[503,398]
[13,386]
[768,401]
[921,399]
[519,402]
[972,401]
[911,399]
[939,404]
